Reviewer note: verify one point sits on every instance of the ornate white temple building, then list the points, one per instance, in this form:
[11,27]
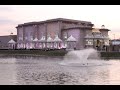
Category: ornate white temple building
[61,33]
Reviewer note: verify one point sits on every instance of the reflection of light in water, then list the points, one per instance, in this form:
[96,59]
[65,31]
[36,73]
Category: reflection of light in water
[82,58]
[7,71]
[114,72]
[7,61]
[47,71]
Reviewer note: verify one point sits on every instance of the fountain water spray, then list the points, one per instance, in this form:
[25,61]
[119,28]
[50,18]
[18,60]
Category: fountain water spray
[85,57]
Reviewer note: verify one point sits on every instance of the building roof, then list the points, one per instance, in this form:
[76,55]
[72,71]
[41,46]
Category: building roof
[49,39]
[89,36]
[63,20]
[67,20]
[71,39]
[42,39]
[57,39]
[35,39]
[105,29]
[53,20]
[96,30]
[12,41]
[5,39]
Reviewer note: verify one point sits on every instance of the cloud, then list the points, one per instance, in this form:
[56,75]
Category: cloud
[6,8]
[7,21]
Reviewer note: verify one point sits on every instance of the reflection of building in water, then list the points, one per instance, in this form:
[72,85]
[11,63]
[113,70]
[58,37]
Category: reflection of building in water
[61,33]
[8,71]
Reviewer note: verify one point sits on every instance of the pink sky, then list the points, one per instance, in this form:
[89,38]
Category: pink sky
[12,15]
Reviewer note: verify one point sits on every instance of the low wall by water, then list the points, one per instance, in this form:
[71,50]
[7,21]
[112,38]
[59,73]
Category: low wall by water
[34,52]
[109,55]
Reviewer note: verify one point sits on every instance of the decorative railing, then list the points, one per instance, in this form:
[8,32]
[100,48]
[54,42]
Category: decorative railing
[97,36]
[75,26]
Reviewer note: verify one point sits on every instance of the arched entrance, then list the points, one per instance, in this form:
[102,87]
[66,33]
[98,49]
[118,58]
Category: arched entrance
[98,44]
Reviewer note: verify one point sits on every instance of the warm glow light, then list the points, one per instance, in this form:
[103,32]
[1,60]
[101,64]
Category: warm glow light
[96,30]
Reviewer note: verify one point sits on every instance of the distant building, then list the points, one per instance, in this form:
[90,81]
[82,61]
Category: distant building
[61,33]
[5,39]
[115,45]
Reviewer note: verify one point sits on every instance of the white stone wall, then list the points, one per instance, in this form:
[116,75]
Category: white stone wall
[53,29]
[29,33]
[104,33]
[41,31]
[19,34]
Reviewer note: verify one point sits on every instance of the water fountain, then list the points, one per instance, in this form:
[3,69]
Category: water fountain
[85,57]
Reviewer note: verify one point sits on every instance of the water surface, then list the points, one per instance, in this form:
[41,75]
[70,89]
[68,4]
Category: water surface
[28,70]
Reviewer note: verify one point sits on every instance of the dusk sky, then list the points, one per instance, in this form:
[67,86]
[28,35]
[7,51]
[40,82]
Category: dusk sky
[12,15]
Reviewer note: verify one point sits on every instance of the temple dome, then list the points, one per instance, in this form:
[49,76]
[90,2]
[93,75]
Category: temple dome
[49,39]
[35,39]
[42,39]
[12,41]
[57,39]
[71,39]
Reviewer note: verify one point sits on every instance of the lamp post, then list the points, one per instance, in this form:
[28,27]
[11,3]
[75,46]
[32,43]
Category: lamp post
[114,38]
[114,43]
[46,36]
[11,35]
[11,45]
[93,38]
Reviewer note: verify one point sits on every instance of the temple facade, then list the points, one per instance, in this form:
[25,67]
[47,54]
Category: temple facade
[61,33]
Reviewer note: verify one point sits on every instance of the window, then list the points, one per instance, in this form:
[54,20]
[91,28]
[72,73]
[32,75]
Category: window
[97,35]
[20,38]
[31,38]
[26,38]
[107,42]
[65,35]
[89,42]
[82,23]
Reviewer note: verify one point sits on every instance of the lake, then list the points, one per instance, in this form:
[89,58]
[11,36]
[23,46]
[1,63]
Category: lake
[34,70]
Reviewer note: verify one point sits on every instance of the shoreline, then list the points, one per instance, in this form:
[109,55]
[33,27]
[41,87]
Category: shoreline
[33,55]
[53,53]
[36,53]
[29,55]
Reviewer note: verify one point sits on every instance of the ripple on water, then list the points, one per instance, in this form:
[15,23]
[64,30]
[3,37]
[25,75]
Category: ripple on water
[48,71]
[47,78]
